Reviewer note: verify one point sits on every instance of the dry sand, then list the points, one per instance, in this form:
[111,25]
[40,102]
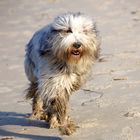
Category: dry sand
[108,106]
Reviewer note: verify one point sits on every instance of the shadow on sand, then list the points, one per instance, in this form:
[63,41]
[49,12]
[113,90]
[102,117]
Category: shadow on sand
[12,118]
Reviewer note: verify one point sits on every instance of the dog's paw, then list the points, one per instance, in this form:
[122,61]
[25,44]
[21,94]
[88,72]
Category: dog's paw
[67,129]
[53,122]
[37,116]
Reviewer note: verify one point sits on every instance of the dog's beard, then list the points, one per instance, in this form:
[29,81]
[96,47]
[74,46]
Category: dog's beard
[73,55]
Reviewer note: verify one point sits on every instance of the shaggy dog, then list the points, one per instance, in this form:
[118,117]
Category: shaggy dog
[58,61]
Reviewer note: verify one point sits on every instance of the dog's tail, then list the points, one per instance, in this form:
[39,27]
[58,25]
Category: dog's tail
[31,91]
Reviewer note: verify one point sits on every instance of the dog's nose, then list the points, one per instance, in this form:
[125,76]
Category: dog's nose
[77,45]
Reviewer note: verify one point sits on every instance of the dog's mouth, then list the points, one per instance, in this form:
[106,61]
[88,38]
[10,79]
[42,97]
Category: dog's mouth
[75,52]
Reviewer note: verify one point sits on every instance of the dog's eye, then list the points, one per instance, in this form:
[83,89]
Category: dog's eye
[85,31]
[54,30]
[69,30]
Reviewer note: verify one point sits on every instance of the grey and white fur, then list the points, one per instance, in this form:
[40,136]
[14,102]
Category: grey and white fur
[58,61]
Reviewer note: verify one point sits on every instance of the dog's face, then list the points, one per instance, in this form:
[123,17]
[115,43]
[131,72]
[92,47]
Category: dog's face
[74,37]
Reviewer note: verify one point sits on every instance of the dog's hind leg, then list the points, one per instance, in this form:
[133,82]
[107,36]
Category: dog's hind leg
[37,108]
[37,103]
[32,91]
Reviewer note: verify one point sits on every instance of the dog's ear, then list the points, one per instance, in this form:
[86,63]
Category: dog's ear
[97,52]
[45,43]
[94,28]
[97,41]
[44,52]
[97,45]
[41,52]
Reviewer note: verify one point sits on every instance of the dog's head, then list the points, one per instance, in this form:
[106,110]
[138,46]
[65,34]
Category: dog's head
[74,36]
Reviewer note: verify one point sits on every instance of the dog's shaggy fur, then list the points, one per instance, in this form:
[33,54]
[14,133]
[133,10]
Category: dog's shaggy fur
[58,61]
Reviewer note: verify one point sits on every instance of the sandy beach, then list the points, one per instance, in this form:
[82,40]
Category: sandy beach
[107,107]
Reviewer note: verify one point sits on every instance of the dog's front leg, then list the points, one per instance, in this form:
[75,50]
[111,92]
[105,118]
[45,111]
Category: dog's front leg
[56,110]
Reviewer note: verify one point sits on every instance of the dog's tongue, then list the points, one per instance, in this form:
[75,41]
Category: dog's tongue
[75,52]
